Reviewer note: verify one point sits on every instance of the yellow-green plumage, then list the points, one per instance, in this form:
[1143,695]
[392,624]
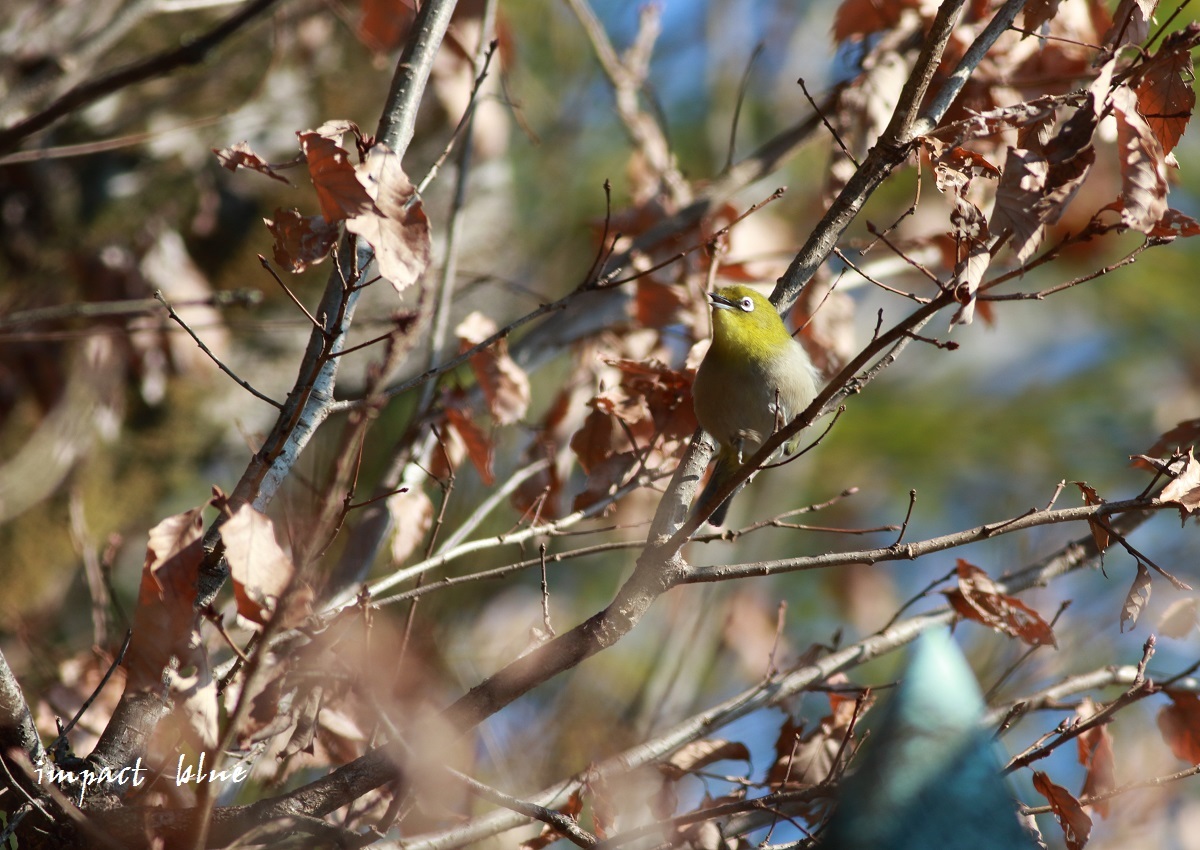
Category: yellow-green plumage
[753,380]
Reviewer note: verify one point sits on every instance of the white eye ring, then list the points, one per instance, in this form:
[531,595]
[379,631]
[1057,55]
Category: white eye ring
[746,304]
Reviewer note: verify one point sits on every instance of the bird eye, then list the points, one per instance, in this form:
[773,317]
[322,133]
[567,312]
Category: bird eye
[747,305]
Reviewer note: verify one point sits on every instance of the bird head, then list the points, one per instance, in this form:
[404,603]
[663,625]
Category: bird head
[746,324]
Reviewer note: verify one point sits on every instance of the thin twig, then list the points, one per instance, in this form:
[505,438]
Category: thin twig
[287,291]
[545,591]
[87,703]
[243,384]
[743,86]
[912,501]
[837,137]
[192,52]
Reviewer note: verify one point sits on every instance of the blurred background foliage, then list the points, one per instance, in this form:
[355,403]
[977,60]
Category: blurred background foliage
[1036,393]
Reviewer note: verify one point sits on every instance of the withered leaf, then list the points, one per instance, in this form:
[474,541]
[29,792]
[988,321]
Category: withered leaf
[806,758]
[857,18]
[1075,823]
[1131,23]
[1184,489]
[385,24]
[698,755]
[1164,93]
[300,240]
[335,128]
[1136,599]
[953,169]
[666,391]
[1173,225]
[1095,749]
[604,479]
[1100,534]
[395,224]
[1020,189]
[1034,192]
[505,385]
[1038,12]
[538,495]
[478,443]
[165,617]
[1033,118]
[1184,433]
[1179,724]
[1143,172]
[593,442]
[412,517]
[339,191]
[978,598]
[240,156]
[604,809]
[260,569]
[657,304]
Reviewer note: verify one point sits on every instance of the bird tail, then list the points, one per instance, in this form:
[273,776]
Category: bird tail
[720,472]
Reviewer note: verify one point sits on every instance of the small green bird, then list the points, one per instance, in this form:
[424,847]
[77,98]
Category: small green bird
[754,379]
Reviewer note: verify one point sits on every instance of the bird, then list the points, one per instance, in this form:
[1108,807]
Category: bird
[753,380]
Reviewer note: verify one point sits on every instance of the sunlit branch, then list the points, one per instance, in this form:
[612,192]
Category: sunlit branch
[911,551]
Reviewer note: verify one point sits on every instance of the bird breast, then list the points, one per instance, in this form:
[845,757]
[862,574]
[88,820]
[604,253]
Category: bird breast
[737,402]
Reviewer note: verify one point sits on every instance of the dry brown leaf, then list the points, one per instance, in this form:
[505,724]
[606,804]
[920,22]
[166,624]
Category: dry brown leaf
[1032,118]
[978,598]
[1100,535]
[667,394]
[1095,749]
[1164,92]
[339,191]
[300,241]
[857,18]
[538,495]
[385,24]
[1035,191]
[1131,23]
[335,128]
[1020,188]
[1179,724]
[1173,225]
[395,224]
[604,479]
[194,691]
[698,755]
[1038,12]
[593,442]
[803,759]
[1184,489]
[477,442]
[1075,823]
[505,385]
[165,618]
[260,569]
[1143,171]
[240,156]
[412,517]
[1136,599]
[657,305]
[604,809]
[954,168]
[1183,434]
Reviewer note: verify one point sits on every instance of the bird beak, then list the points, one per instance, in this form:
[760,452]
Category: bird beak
[720,302]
